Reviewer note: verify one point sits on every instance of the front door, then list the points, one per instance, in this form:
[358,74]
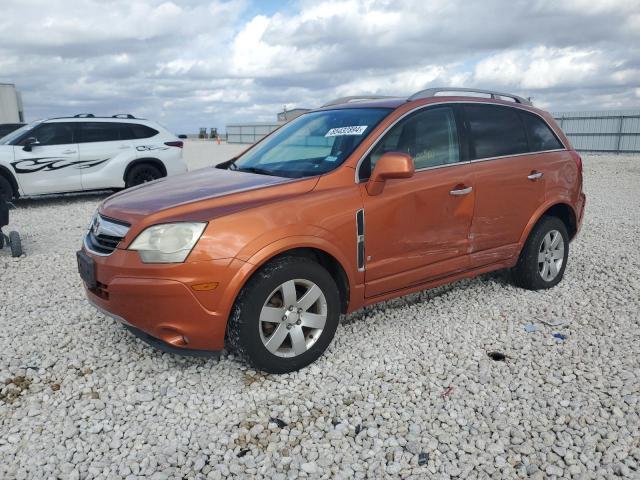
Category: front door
[417,229]
[51,165]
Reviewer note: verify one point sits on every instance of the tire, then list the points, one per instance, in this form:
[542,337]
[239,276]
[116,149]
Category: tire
[142,173]
[6,190]
[541,265]
[294,340]
[15,243]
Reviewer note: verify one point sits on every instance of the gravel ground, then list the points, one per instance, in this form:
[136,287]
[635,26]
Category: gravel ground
[406,389]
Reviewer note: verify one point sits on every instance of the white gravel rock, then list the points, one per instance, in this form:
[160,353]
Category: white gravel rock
[404,380]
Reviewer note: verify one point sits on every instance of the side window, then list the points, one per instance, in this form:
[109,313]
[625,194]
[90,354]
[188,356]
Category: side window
[98,132]
[429,136]
[52,134]
[132,131]
[541,137]
[495,131]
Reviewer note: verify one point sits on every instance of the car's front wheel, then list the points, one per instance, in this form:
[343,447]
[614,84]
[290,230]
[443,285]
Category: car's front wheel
[544,257]
[286,315]
[6,190]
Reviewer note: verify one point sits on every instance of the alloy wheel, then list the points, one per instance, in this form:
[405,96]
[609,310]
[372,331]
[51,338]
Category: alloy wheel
[292,318]
[551,255]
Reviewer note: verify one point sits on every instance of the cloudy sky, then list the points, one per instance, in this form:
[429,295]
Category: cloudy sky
[207,63]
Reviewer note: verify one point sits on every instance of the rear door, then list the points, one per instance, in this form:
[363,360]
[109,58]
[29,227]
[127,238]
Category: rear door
[100,147]
[509,188]
[52,165]
[417,228]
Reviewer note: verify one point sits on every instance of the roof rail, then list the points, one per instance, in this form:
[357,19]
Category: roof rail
[122,115]
[84,115]
[431,92]
[355,98]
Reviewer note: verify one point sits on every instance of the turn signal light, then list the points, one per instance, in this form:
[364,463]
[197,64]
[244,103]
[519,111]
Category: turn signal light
[205,287]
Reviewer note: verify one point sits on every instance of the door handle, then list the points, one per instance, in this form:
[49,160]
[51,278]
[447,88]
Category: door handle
[461,191]
[67,152]
[123,147]
[535,176]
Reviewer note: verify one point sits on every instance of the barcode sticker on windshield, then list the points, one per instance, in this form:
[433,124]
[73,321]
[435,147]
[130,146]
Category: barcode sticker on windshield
[338,132]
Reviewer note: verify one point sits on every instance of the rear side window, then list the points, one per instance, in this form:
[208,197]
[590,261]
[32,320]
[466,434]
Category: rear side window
[98,132]
[495,131]
[52,134]
[541,137]
[133,131]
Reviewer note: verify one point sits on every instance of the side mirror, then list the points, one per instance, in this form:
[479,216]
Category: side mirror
[390,165]
[30,143]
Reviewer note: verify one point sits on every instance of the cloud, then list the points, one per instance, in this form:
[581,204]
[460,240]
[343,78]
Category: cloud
[208,63]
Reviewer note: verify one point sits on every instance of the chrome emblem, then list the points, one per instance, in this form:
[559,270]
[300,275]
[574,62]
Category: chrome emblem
[96,225]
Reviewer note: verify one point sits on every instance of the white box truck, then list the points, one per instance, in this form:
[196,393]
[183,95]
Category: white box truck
[10,104]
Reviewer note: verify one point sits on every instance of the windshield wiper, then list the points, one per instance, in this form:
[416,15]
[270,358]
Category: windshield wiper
[260,171]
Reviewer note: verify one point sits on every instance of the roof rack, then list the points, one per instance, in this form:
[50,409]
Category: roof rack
[122,115]
[356,98]
[431,92]
[84,115]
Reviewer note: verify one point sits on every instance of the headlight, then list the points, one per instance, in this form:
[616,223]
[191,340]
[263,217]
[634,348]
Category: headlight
[167,243]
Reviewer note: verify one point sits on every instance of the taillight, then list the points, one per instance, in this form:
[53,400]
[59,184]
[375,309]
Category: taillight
[174,144]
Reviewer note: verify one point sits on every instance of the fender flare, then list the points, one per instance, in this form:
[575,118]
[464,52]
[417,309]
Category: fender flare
[247,268]
[535,218]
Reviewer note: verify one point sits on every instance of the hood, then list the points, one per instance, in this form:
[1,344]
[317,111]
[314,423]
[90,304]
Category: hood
[199,195]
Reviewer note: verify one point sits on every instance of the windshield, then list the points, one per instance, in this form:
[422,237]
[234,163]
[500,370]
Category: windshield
[7,139]
[312,144]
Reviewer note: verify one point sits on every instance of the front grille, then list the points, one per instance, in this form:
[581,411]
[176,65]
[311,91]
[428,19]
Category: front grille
[104,235]
[102,244]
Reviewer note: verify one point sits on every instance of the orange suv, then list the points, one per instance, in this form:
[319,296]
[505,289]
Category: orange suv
[360,201]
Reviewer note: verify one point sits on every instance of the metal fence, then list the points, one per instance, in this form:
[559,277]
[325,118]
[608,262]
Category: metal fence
[596,131]
[602,131]
[249,132]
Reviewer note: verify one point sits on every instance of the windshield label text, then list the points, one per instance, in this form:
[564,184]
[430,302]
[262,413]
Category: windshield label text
[338,132]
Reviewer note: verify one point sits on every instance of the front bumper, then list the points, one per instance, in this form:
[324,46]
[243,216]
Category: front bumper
[158,303]
[156,342]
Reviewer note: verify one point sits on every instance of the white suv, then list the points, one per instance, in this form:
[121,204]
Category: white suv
[85,152]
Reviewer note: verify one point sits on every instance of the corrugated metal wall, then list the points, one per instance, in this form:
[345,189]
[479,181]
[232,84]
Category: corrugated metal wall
[596,131]
[250,132]
[602,131]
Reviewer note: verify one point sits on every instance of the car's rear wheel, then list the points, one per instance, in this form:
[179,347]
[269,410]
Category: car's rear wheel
[544,257]
[6,190]
[142,173]
[286,315]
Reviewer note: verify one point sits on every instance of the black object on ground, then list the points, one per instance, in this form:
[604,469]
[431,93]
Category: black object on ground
[497,356]
[423,458]
[278,422]
[13,239]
